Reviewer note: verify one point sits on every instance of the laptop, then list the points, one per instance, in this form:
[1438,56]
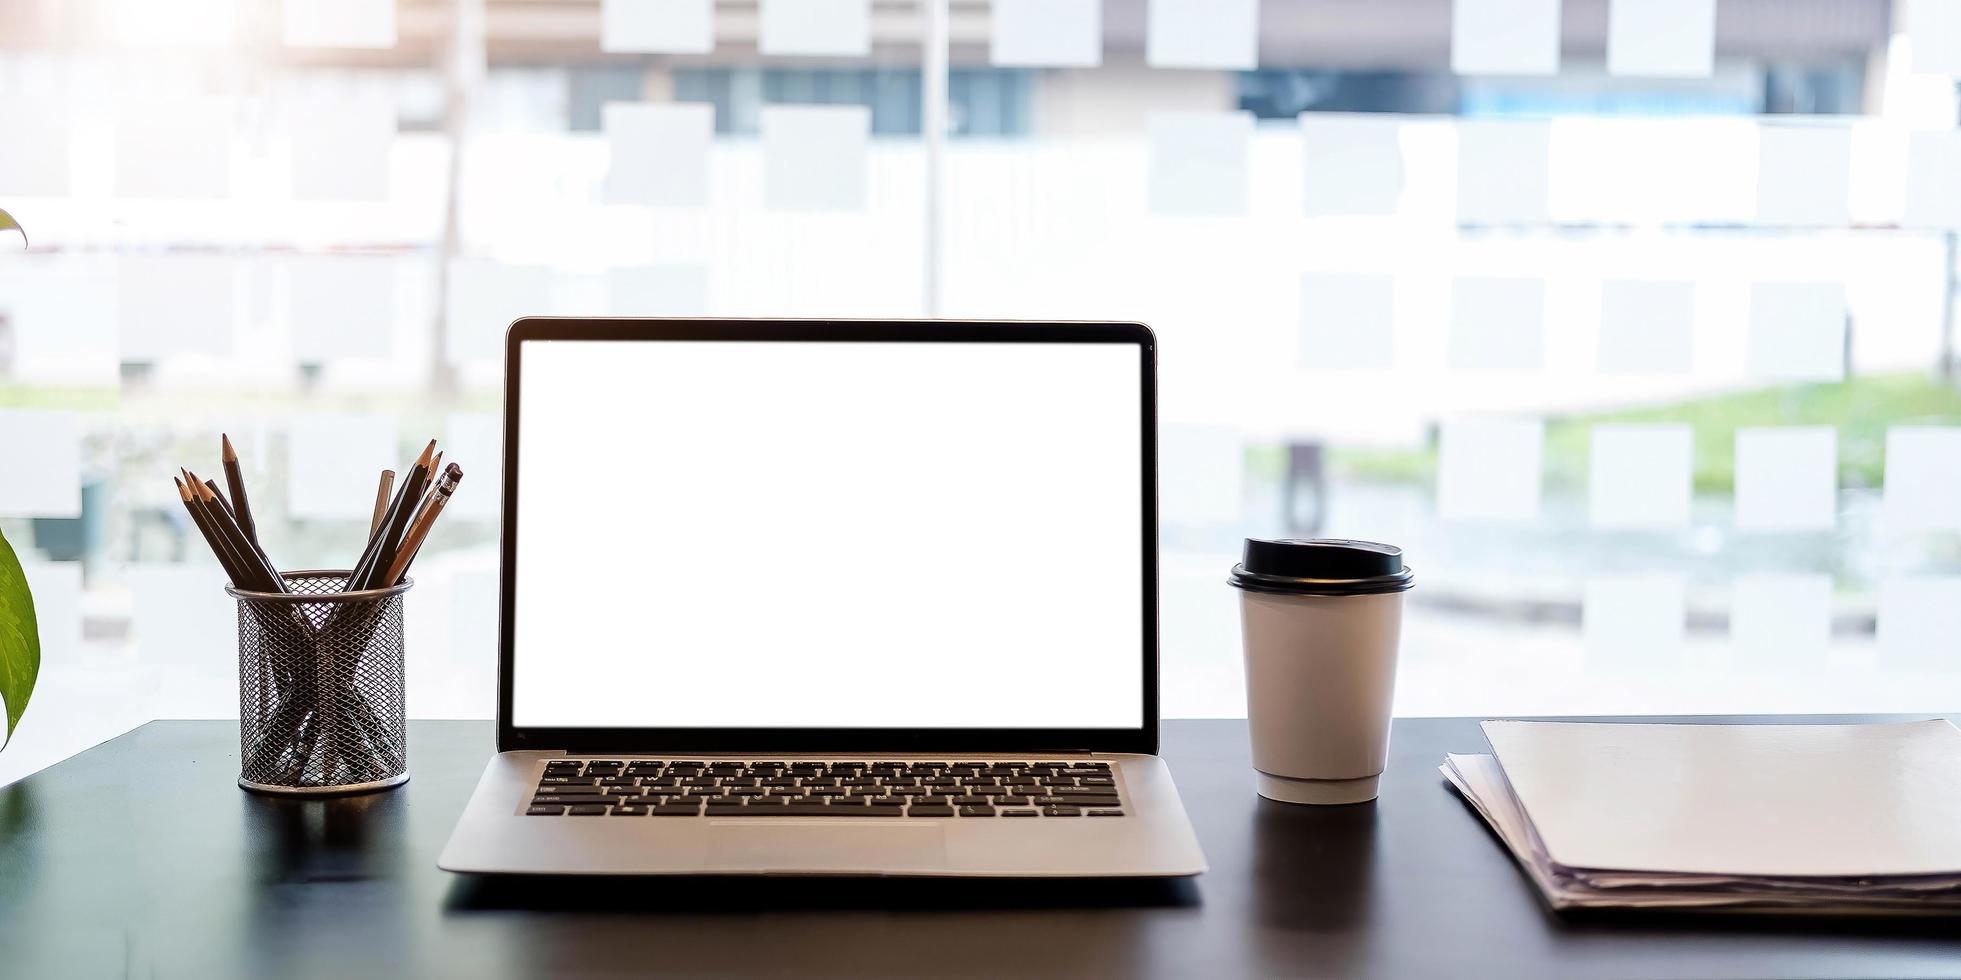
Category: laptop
[827,598]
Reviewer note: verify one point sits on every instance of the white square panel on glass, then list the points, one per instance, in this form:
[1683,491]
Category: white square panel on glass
[342,306]
[174,150]
[1661,38]
[339,23]
[475,442]
[1646,327]
[44,463]
[1221,34]
[1797,331]
[657,26]
[175,306]
[1933,194]
[57,589]
[1199,162]
[1503,171]
[1781,622]
[659,153]
[183,624]
[1640,476]
[484,297]
[815,158]
[1633,622]
[1787,478]
[834,28]
[1923,479]
[342,149]
[34,153]
[1348,322]
[1504,37]
[657,290]
[1933,30]
[1490,469]
[334,462]
[1354,162]
[1047,33]
[1201,473]
[1804,175]
[1497,325]
[1919,617]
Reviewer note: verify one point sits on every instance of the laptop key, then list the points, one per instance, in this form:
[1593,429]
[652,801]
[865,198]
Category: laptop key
[676,810]
[1061,811]
[587,810]
[929,811]
[537,810]
[1105,812]
[1021,812]
[976,811]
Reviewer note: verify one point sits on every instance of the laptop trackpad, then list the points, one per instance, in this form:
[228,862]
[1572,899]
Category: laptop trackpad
[770,845]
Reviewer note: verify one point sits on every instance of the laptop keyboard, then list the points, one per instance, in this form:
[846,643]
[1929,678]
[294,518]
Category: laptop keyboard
[964,789]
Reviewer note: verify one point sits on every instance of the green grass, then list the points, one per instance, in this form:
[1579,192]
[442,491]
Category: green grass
[1860,409]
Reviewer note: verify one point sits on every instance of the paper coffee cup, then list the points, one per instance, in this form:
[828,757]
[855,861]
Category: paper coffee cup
[1321,620]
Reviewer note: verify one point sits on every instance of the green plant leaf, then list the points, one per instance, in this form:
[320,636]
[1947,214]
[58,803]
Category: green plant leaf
[20,640]
[7,223]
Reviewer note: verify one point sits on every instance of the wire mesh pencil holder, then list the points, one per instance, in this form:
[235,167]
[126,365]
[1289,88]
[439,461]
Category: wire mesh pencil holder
[321,705]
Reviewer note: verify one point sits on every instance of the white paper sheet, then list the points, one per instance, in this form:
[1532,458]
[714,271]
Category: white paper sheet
[1633,622]
[1490,469]
[657,26]
[333,463]
[1919,617]
[1221,34]
[174,150]
[839,28]
[657,290]
[342,306]
[1199,162]
[1787,478]
[43,462]
[1497,325]
[659,153]
[1504,37]
[1804,175]
[484,297]
[1646,327]
[176,305]
[815,157]
[342,150]
[340,23]
[1797,331]
[1047,33]
[1201,473]
[1640,476]
[1781,622]
[34,155]
[1354,162]
[1503,171]
[1348,322]
[1933,195]
[1933,29]
[1662,38]
[475,441]
[1923,470]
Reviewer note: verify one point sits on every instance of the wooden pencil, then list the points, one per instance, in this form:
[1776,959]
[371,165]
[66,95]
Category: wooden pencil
[219,549]
[257,557]
[253,560]
[235,479]
[381,547]
[381,500]
[424,520]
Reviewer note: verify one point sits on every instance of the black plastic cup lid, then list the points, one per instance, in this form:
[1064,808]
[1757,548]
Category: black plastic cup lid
[1321,566]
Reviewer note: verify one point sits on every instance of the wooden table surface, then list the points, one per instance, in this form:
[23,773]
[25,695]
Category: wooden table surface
[141,858]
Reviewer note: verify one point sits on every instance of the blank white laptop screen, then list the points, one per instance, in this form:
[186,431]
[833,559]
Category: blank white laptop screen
[828,535]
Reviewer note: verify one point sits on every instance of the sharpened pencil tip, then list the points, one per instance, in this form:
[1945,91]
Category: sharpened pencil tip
[230,454]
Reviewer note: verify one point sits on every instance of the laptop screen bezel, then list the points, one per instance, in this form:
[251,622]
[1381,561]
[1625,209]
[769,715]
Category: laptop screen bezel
[1142,739]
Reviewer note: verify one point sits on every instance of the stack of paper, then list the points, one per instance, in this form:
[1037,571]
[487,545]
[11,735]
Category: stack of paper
[1825,819]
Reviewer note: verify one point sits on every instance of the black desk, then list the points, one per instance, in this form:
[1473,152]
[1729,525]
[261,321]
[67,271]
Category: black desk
[141,858]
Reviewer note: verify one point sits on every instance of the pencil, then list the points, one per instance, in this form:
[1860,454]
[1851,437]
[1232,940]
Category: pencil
[255,554]
[424,520]
[219,550]
[381,500]
[381,547]
[251,558]
[235,479]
